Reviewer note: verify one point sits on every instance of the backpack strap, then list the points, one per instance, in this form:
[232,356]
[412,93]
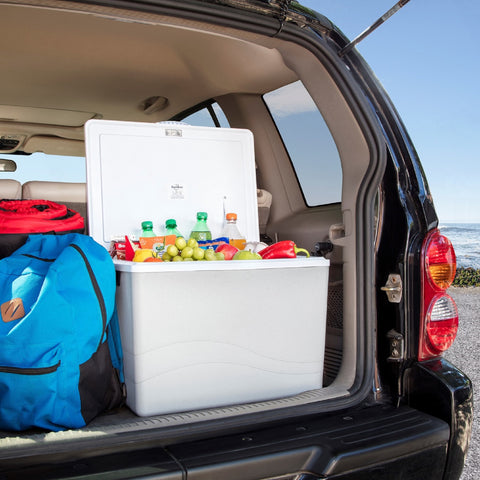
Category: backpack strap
[97,290]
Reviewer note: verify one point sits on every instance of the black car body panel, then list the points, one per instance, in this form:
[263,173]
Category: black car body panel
[373,442]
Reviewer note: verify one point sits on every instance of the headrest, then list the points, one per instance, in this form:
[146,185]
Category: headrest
[55,191]
[10,189]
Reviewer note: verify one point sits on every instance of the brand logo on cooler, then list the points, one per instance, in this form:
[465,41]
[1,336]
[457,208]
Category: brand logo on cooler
[177,192]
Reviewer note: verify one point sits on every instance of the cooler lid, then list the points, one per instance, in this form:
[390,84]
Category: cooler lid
[156,171]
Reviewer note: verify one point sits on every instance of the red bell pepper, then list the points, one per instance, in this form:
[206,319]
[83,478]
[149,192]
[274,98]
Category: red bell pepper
[283,249]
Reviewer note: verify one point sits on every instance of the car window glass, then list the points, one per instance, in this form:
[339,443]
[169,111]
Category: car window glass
[309,143]
[208,116]
[44,167]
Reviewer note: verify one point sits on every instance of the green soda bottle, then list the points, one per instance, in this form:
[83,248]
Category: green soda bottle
[200,230]
[171,228]
[147,229]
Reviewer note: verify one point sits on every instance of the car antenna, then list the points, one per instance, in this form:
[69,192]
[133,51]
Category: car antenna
[372,27]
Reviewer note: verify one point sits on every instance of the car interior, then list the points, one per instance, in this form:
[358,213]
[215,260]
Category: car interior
[68,63]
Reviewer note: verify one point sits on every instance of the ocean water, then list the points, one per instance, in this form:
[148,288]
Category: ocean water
[465,238]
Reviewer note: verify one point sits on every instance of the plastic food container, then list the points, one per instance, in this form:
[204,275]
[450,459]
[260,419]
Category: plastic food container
[200,335]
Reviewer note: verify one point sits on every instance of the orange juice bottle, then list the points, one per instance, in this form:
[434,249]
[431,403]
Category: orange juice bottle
[231,231]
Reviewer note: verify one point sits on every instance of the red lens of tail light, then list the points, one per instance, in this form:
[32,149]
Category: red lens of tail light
[440,315]
[440,260]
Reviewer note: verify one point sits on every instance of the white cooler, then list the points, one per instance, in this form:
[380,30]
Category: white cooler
[199,335]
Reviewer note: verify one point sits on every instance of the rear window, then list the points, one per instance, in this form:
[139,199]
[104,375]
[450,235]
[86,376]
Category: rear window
[206,115]
[44,167]
[309,143]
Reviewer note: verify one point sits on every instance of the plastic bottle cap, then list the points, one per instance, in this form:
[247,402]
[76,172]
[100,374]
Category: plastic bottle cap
[146,225]
[202,215]
[171,223]
[231,216]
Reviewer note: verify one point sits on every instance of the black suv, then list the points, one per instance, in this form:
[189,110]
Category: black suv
[336,173]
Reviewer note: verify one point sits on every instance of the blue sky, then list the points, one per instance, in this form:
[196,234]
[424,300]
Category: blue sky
[427,58]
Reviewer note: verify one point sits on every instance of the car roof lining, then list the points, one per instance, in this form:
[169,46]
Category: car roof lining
[172,64]
[96,72]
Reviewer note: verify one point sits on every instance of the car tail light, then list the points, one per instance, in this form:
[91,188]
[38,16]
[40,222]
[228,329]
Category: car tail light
[439,323]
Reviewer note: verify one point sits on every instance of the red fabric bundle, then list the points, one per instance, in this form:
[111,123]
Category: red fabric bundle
[38,216]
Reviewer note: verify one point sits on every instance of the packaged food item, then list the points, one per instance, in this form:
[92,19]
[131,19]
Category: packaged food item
[212,243]
[157,243]
[119,250]
[130,248]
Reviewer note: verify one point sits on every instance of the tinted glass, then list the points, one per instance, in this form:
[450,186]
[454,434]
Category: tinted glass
[204,117]
[309,143]
[40,166]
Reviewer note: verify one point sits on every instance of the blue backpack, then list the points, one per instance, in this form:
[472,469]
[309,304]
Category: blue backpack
[60,350]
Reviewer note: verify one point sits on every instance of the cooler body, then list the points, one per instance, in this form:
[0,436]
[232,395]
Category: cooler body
[235,332]
[201,334]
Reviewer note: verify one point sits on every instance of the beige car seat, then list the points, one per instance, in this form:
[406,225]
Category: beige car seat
[10,189]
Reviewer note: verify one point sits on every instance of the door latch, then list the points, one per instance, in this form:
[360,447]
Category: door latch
[393,288]
[397,346]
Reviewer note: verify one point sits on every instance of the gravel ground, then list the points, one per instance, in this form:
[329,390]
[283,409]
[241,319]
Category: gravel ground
[464,355]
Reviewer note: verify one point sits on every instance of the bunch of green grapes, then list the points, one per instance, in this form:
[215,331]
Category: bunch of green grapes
[188,250]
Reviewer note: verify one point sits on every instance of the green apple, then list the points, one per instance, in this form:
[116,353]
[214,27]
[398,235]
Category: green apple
[246,255]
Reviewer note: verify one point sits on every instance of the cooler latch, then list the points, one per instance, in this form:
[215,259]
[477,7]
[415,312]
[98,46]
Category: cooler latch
[393,288]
